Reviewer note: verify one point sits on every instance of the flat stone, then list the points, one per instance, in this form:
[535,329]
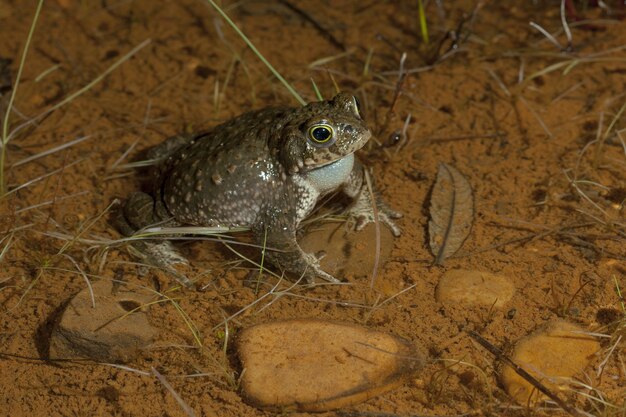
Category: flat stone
[316,365]
[115,330]
[474,288]
[552,354]
[347,253]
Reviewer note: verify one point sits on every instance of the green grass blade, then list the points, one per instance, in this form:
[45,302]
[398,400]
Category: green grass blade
[318,94]
[422,17]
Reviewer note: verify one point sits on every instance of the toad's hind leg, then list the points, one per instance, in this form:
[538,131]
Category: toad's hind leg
[140,212]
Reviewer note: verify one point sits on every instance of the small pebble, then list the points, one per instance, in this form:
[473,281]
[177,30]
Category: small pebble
[475,288]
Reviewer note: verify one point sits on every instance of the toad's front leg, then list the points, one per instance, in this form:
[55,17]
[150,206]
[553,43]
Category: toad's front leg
[278,234]
[362,210]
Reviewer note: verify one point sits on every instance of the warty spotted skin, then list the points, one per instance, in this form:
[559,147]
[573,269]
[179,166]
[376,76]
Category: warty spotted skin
[265,170]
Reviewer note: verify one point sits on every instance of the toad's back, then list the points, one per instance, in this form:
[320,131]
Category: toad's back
[226,176]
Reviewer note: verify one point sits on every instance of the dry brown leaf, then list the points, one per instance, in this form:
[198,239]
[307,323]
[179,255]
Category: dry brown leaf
[451,212]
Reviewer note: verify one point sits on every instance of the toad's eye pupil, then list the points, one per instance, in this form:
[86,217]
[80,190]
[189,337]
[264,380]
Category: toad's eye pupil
[321,133]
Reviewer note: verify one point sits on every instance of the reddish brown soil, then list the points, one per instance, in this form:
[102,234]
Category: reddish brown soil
[517,138]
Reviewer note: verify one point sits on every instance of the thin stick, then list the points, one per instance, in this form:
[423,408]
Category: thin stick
[324,32]
[465,137]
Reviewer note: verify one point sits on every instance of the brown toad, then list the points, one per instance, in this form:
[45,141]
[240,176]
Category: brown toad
[264,170]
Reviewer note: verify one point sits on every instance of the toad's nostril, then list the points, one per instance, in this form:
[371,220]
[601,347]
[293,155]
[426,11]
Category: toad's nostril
[349,129]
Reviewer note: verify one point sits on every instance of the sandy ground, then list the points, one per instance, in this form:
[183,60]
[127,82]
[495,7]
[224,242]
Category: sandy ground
[502,104]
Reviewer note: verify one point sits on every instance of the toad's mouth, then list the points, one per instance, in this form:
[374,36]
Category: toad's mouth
[313,165]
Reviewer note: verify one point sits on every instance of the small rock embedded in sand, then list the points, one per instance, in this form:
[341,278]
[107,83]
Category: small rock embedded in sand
[347,253]
[108,332]
[551,354]
[474,287]
[314,365]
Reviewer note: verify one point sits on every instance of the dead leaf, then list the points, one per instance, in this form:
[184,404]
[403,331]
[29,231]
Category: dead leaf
[451,212]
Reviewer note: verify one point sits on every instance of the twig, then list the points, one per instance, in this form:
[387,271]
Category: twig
[465,137]
[381,414]
[317,25]
[521,372]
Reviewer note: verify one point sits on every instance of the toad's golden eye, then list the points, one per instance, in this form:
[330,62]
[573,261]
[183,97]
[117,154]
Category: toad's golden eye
[321,134]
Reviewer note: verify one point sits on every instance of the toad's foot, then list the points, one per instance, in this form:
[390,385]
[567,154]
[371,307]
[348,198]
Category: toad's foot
[303,266]
[138,213]
[315,270]
[362,212]
[166,257]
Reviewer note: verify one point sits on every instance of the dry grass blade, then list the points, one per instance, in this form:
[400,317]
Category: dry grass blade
[188,410]
[451,213]
[82,90]
[51,151]
[5,122]
[377,229]
[41,177]
[9,241]
[248,42]
[127,368]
